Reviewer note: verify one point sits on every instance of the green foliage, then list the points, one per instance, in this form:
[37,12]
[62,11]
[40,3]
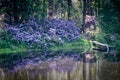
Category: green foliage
[117,44]
[21,10]
[100,37]
[108,17]
[7,42]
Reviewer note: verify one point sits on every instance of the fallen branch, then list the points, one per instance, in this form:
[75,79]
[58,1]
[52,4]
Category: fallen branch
[101,44]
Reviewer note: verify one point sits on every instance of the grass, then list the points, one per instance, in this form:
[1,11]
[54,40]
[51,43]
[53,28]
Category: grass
[17,49]
[14,49]
[82,45]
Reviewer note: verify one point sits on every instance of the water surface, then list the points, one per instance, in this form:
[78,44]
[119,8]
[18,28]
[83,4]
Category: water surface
[64,69]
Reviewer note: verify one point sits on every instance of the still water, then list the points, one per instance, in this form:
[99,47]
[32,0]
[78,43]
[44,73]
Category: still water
[64,69]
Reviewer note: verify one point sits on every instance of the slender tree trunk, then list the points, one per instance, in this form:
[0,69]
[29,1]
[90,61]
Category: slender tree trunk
[44,10]
[56,7]
[15,13]
[91,9]
[50,7]
[69,8]
[88,7]
[84,15]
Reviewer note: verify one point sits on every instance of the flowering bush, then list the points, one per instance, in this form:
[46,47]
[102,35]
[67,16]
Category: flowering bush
[43,33]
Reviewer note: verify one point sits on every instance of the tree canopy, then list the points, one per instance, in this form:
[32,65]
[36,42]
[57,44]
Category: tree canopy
[106,11]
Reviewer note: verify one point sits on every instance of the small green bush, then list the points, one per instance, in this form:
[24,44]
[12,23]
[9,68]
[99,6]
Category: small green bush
[100,38]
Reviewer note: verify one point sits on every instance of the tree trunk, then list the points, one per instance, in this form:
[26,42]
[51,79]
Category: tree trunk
[84,15]
[50,8]
[91,9]
[44,10]
[69,8]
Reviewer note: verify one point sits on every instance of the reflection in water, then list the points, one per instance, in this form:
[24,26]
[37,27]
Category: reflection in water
[65,70]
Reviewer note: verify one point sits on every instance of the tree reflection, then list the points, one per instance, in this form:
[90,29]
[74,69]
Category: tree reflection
[66,69]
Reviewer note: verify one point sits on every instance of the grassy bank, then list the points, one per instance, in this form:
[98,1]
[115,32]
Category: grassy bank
[82,45]
[13,49]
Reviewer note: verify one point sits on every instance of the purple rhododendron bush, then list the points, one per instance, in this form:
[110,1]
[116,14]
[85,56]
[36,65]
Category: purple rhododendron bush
[44,33]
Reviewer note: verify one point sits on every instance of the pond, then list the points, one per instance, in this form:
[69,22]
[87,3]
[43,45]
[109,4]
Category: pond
[60,67]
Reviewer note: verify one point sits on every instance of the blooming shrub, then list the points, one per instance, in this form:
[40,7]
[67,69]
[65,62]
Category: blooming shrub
[45,33]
